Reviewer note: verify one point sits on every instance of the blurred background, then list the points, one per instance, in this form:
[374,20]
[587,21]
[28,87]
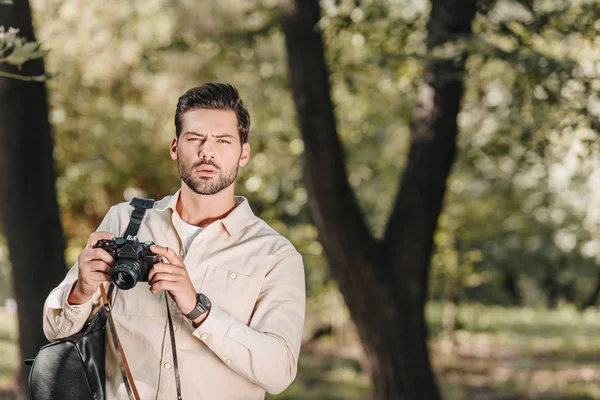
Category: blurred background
[512,304]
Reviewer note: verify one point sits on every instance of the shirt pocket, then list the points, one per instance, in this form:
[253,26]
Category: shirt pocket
[235,290]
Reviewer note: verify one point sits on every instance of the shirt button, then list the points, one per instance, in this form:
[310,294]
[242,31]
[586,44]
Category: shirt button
[167,365]
[174,327]
[204,337]
[232,275]
[228,361]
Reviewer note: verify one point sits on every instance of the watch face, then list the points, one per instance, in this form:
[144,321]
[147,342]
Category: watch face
[204,301]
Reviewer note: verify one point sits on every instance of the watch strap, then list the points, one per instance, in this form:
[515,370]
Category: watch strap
[198,310]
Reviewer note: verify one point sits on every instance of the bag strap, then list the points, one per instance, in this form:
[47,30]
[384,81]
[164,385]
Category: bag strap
[174,351]
[140,206]
[123,364]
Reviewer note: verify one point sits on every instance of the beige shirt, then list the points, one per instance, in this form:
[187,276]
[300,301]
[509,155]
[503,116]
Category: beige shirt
[250,341]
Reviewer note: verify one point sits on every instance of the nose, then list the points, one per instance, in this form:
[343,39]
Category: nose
[206,149]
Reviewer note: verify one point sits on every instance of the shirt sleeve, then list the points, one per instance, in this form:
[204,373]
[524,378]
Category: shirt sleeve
[266,351]
[62,319]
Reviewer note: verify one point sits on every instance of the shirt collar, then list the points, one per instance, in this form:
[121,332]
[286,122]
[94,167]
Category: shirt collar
[234,222]
[168,202]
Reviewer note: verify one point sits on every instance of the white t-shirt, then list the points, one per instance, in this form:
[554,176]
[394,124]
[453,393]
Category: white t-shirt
[189,233]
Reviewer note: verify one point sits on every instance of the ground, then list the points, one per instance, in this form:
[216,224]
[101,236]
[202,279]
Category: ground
[498,353]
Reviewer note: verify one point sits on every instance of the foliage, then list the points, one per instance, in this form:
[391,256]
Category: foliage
[521,211]
[523,190]
[16,50]
[524,180]
[525,174]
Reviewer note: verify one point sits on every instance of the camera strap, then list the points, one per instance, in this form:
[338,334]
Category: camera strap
[140,206]
[174,351]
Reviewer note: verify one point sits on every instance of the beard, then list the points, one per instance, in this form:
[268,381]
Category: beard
[208,185]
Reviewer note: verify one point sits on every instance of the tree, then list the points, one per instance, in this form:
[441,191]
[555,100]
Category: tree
[28,207]
[384,282]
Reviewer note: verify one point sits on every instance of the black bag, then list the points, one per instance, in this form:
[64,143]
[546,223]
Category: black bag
[73,368]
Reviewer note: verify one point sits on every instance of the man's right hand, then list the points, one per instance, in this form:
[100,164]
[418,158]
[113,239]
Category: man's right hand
[94,268]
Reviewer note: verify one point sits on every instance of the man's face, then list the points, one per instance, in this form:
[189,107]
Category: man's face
[208,150]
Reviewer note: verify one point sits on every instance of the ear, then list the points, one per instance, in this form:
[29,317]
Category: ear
[245,157]
[173,149]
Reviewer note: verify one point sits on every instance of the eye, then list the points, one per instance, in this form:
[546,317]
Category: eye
[222,141]
[193,139]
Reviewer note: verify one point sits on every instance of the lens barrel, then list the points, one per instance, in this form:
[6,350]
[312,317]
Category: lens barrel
[126,273]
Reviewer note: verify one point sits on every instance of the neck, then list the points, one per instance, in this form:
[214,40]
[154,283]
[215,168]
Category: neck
[201,210]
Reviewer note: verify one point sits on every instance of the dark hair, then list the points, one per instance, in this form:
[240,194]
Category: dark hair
[214,96]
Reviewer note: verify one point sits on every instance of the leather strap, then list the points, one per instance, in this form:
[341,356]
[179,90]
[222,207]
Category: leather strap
[174,351]
[123,365]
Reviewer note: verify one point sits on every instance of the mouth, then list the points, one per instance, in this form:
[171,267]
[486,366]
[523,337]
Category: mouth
[206,170]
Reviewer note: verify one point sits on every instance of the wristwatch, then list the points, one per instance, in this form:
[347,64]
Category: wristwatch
[202,305]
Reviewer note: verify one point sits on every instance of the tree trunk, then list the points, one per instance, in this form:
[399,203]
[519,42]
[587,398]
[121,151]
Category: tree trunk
[28,206]
[591,300]
[383,282]
[510,285]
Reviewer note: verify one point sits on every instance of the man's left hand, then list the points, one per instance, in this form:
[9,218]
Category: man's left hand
[174,278]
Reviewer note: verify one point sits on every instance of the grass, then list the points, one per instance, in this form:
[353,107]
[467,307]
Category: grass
[518,353]
[498,353]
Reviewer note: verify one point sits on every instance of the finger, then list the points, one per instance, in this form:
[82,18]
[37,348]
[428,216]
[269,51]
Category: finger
[96,254]
[94,279]
[95,236]
[163,285]
[101,254]
[170,268]
[100,277]
[99,266]
[167,253]
[164,268]
[92,269]
[162,277]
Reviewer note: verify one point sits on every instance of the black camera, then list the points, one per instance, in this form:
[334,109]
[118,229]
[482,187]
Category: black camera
[133,260]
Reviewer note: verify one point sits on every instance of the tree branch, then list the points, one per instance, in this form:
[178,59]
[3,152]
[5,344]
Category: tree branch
[332,201]
[408,239]
[37,78]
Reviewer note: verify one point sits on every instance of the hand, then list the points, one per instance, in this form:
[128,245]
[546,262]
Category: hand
[174,278]
[94,267]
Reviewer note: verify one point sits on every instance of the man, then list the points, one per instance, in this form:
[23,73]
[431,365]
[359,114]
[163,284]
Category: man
[212,245]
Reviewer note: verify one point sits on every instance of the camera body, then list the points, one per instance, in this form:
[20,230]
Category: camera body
[133,260]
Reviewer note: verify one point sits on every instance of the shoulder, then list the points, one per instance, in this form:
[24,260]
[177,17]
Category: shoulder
[119,214]
[272,242]
[125,207]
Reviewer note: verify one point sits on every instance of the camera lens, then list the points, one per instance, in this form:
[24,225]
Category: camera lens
[125,273]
